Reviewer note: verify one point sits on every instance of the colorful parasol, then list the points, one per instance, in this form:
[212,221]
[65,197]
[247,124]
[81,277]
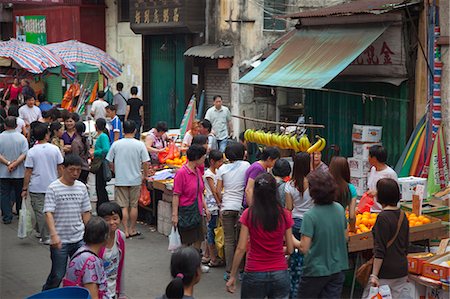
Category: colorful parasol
[188,118]
[79,53]
[33,58]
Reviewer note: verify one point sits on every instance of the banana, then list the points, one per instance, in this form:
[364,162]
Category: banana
[307,143]
[314,147]
[322,146]
[246,134]
[294,142]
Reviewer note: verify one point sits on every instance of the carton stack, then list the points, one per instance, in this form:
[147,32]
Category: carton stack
[164,217]
[363,138]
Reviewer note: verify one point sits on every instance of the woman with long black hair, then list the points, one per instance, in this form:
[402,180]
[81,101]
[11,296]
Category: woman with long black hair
[265,225]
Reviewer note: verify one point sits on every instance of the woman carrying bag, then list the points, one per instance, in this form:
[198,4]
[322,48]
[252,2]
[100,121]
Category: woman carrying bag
[188,201]
[101,149]
[391,239]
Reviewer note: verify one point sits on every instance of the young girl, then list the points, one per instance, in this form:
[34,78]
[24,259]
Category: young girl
[186,272]
[113,254]
[56,132]
[213,202]
[85,267]
[264,225]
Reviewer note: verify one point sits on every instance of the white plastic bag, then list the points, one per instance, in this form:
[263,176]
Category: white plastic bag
[25,227]
[380,292]
[174,240]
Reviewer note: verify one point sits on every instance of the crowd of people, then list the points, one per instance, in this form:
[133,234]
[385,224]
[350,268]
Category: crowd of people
[289,221]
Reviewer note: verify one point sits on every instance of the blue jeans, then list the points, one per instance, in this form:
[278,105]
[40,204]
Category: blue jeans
[212,224]
[59,259]
[273,284]
[296,228]
[295,261]
[222,144]
[322,286]
[10,191]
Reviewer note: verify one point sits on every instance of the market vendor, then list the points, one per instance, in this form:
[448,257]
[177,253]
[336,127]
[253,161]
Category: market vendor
[317,164]
[156,141]
[187,140]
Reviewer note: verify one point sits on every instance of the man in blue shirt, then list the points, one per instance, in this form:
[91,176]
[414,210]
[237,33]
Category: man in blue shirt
[114,125]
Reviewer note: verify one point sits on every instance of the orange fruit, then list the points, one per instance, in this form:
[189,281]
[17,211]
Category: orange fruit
[169,161]
[366,214]
[426,220]
[412,215]
[358,231]
[412,223]
[372,222]
[419,223]
[373,215]
[365,221]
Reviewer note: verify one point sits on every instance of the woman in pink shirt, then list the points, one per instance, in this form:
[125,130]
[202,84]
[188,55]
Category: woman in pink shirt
[264,225]
[188,198]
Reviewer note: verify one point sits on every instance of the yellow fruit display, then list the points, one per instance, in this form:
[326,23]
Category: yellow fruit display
[415,220]
[364,222]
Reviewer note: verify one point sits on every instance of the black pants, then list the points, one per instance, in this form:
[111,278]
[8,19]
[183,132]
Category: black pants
[100,187]
[84,176]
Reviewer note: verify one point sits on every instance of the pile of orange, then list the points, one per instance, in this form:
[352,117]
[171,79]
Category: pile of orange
[415,220]
[365,222]
[176,161]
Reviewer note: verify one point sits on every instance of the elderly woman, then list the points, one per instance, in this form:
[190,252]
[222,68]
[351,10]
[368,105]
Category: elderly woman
[188,201]
[391,239]
[323,241]
[156,140]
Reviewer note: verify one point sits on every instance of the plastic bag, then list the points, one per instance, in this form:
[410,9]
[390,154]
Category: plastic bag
[107,174]
[25,227]
[219,239]
[381,292]
[174,240]
[365,203]
[144,199]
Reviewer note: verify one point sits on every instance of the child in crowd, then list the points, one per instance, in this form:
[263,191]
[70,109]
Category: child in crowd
[186,272]
[85,267]
[113,254]
[213,202]
[282,170]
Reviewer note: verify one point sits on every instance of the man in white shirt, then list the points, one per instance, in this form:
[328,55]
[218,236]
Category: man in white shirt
[379,170]
[29,112]
[98,109]
[220,118]
[120,101]
[43,164]
[127,157]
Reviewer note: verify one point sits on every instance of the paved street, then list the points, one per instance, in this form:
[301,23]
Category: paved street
[25,265]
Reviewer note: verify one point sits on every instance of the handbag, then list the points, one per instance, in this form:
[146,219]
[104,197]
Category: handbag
[107,174]
[363,272]
[189,216]
[96,164]
[219,239]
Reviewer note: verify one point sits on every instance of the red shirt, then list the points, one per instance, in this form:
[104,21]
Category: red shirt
[185,185]
[266,248]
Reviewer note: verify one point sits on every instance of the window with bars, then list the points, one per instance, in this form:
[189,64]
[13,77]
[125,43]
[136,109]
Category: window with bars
[124,10]
[273,8]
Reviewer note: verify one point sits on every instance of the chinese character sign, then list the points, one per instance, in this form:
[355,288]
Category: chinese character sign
[31,29]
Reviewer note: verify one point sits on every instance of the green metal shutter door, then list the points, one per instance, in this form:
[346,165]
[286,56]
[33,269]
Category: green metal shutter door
[88,79]
[338,112]
[53,90]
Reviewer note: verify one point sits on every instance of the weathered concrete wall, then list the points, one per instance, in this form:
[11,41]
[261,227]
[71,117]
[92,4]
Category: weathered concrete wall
[444,10]
[125,46]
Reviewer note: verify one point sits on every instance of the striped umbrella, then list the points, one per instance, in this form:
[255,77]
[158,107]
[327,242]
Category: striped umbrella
[32,58]
[78,52]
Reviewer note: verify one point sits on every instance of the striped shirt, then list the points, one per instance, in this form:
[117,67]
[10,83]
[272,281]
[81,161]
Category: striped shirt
[67,203]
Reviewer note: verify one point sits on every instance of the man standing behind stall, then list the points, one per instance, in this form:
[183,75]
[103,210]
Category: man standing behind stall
[220,118]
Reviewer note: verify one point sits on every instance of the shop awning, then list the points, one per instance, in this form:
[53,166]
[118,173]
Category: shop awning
[210,51]
[313,56]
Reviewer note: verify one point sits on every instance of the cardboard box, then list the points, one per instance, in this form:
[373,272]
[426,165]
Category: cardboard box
[434,270]
[361,150]
[358,167]
[164,223]
[360,184]
[361,133]
[416,261]
[408,187]
[434,207]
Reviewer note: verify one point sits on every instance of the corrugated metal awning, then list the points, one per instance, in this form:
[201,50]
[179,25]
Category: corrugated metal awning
[314,56]
[210,51]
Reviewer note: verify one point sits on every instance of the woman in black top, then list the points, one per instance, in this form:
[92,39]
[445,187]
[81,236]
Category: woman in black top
[135,111]
[390,265]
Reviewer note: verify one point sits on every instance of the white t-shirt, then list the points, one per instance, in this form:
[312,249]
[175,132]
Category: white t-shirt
[67,203]
[20,125]
[99,109]
[44,159]
[209,197]
[188,138]
[233,177]
[374,177]
[128,154]
[301,204]
[29,115]
[111,259]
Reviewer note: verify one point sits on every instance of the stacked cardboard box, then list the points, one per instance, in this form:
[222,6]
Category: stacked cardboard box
[363,138]
[164,217]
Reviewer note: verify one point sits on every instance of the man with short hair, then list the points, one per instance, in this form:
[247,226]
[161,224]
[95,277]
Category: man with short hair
[27,90]
[205,129]
[127,157]
[42,167]
[135,111]
[67,210]
[114,125]
[120,101]
[98,109]
[220,118]
[13,151]
[29,112]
